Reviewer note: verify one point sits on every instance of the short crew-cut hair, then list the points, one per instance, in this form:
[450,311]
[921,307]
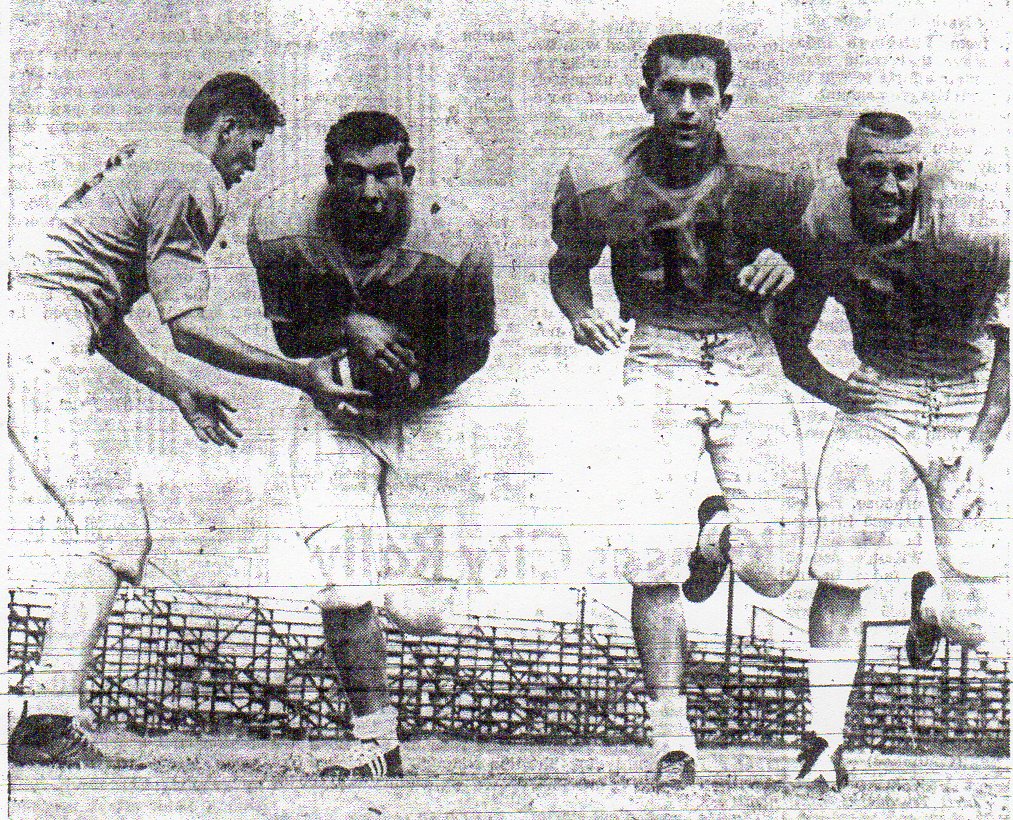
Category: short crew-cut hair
[685,47]
[367,129]
[879,124]
[234,94]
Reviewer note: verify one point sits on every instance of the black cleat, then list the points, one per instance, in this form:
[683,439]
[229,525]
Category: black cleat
[370,763]
[816,768]
[55,740]
[704,574]
[675,770]
[922,641]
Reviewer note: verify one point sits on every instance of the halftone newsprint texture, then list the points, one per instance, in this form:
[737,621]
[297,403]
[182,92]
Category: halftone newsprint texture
[213,671]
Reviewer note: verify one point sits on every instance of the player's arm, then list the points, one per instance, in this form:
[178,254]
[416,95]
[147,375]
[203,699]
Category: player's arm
[772,271]
[204,409]
[470,327]
[792,320]
[179,281]
[195,336]
[570,272]
[995,410]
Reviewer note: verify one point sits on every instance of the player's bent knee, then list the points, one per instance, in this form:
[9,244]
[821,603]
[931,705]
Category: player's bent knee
[348,597]
[769,588]
[421,609]
[768,561]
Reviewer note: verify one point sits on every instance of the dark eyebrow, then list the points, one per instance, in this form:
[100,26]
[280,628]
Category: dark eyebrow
[385,167]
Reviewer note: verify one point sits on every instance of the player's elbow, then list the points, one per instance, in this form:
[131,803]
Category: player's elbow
[189,333]
[288,340]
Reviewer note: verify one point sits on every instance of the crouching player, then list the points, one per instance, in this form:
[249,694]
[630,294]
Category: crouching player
[924,409]
[359,261]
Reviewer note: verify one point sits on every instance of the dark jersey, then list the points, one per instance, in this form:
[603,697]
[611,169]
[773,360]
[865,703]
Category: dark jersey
[676,253]
[435,285]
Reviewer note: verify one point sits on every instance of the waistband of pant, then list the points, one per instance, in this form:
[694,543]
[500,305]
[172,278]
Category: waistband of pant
[969,386]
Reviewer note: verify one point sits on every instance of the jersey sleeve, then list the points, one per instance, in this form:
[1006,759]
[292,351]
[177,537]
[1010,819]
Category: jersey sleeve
[275,276]
[477,300]
[183,221]
[577,250]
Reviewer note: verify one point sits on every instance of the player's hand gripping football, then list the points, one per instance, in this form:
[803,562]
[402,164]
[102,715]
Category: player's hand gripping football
[768,275]
[206,412]
[380,343]
[329,396]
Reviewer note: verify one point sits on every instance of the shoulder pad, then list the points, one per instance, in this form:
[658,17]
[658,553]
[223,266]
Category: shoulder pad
[291,209]
[605,164]
[442,229]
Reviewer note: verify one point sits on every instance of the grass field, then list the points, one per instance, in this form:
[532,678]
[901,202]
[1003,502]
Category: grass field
[227,778]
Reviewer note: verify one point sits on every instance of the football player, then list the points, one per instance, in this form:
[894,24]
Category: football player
[142,225]
[362,261]
[923,296]
[698,230]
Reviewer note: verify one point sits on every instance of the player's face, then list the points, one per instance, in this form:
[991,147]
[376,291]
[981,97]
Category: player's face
[883,176]
[237,152]
[372,189]
[685,101]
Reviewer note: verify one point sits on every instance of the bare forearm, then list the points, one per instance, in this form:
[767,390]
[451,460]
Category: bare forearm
[121,348]
[995,409]
[571,289]
[221,348]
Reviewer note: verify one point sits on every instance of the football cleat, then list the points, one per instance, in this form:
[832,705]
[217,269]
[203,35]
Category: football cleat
[705,574]
[675,770]
[57,740]
[368,762]
[922,641]
[819,765]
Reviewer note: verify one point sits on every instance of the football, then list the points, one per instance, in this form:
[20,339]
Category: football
[390,391]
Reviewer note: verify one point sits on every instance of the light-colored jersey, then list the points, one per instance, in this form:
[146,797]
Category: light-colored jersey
[920,306]
[143,224]
[435,284]
[605,198]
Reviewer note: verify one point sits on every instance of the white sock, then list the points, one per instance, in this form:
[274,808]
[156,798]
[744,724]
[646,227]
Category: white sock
[670,729]
[831,679]
[380,726]
[931,605]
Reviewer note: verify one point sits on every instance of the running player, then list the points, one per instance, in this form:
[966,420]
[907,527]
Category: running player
[362,261]
[923,409]
[142,225]
[685,214]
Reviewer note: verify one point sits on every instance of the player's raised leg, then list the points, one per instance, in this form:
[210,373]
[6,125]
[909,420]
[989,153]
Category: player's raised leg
[756,452]
[967,518]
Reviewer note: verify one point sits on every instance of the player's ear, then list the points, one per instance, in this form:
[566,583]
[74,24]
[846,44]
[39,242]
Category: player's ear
[844,169]
[408,172]
[225,126]
[646,99]
[726,103]
[331,172]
